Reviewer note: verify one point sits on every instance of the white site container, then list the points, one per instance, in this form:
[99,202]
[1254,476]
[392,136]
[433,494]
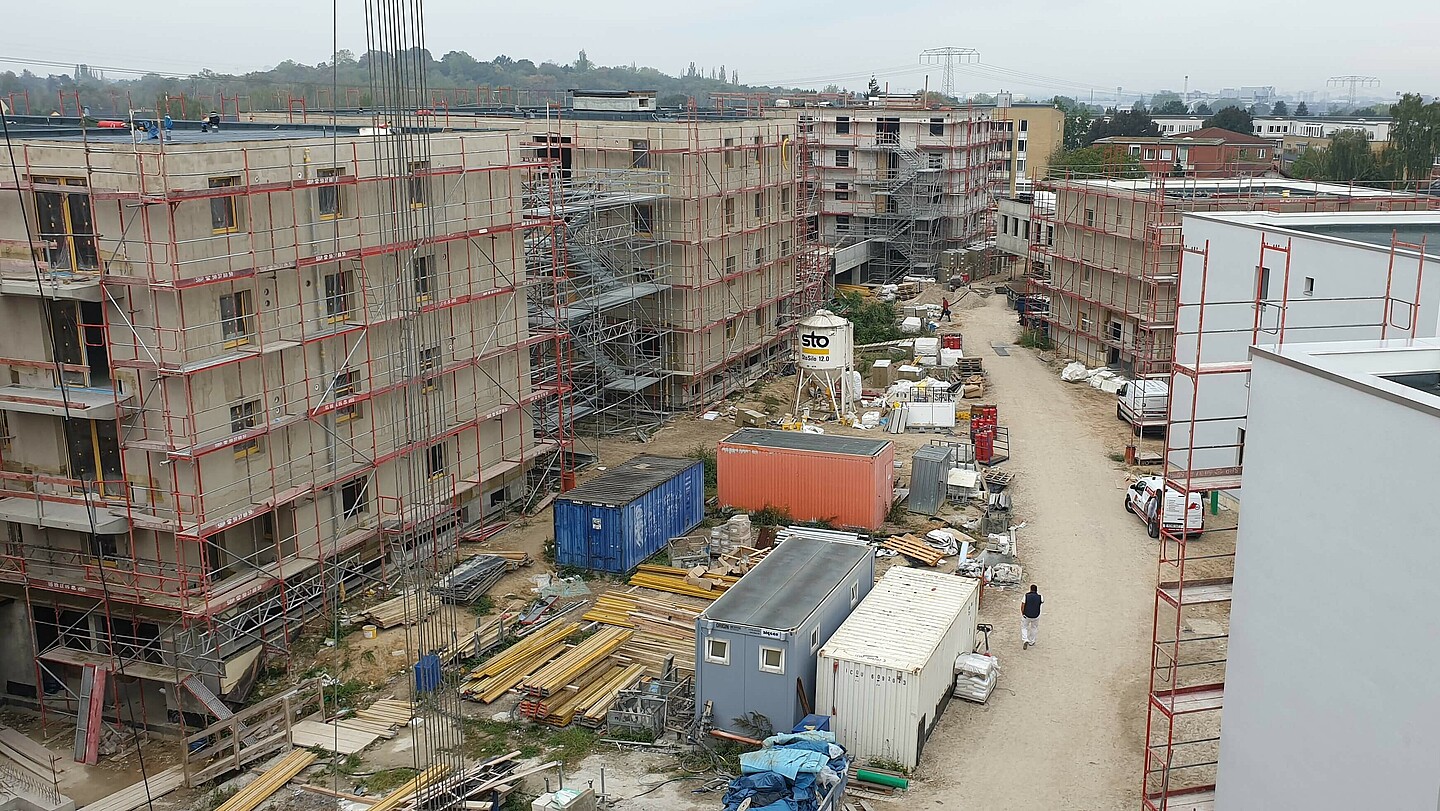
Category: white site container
[888,670]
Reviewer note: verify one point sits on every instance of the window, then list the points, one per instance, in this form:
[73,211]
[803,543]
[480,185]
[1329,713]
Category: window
[1260,153]
[815,639]
[224,215]
[1166,154]
[329,192]
[1084,323]
[717,651]
[1005,224]
[237,318]
[423,272]
[643,218]
[105,547]
[1022,144]
[759,257]
[435,461]
[5,436]
[1262,283]
[639,153]
[732,264]
[355,497]
[1024,125]
[67,224]
[1049,235]
[419,184]
[1240,446]
[842,192]
[760,206]
[1149,154]
[1086,275]
[1020,166]
[842,224]
[842,157]
[430,361]
[759,142]
[772,660]
[244,417]
[729,212]
[1090,217]
[347,383]
[732,328]
[842,125]
[937,126]
[337,295]
[785,200]
[935,160]
[854,594]
[1025,229]
[784,248]
[729,153]
[1134,149]
[1309,285]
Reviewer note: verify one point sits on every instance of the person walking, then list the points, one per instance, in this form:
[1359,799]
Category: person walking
[1030,618]
[944,309]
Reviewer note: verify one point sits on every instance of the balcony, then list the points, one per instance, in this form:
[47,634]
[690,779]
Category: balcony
[73,401]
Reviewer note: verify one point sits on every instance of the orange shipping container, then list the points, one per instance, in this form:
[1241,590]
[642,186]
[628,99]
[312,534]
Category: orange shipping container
[811,476]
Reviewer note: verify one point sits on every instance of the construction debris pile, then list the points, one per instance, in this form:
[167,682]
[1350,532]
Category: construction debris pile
[796,771]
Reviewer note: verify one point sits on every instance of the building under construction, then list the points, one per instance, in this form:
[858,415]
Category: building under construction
[243,374]
[1110,268]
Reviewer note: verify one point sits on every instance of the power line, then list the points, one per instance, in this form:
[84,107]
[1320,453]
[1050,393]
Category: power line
[948,57]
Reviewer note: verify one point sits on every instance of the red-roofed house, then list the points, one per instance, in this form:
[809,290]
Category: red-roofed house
[1209,152]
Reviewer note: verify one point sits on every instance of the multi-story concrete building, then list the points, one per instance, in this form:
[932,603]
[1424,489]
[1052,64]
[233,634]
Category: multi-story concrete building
[1278,127]
[1117,248]
[893,187]
[1020,238]
[239,369]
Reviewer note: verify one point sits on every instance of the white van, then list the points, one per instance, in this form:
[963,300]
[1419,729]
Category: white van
[1143,403]
[1185,515]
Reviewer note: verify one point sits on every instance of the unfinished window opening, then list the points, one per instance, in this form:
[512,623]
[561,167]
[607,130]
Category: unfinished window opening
[435,461]
[729,153]
[784,248]
[785,200]
[246,417]
[329,193]
[842,192]
[237,318]
[759,257]
[5,436]
[1240,446]
[1262,283]
[106,549]
[759,144]
[94,453]
[430,362]
[717,651]
[337,295]
[842,125]
[732,264]
[419,184]
[1086,276]
[842,224]
[66,224]
[347,383]
[422,272]
[224,210]
[1085,323]
[729,212]
[355,497]
[639,153]
[732,328]
[772,660]
[842,157]
[1090,217]
[887,130]
[497,498]
[1309,285]
[643,218]
[937,126]
[935,160]
[759,206]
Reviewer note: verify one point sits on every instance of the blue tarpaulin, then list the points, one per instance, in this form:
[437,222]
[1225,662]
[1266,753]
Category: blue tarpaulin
[791,773]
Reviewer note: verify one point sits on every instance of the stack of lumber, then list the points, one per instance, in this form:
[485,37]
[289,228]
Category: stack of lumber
[589,696]
[395,611]
[259,790]
[387,711]
[401,795]
[30,756]
[346,736]
[500,673]
[664,628]
[737,563]
[554,676]
[914,548]
[141,793]
[513,559]
[689,582]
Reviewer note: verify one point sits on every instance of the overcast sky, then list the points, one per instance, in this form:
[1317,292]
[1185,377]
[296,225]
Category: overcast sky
[1068,46]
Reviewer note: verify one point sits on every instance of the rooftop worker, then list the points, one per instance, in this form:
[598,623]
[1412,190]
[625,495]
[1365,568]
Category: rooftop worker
[210,122]
[1030,618]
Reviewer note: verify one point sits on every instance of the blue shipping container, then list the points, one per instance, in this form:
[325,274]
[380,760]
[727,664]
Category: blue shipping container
[615,521]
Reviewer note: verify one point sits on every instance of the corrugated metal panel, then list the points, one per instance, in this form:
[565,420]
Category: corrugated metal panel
[617,537]
[929,479]
[886,671]
[854,491]
[801,441]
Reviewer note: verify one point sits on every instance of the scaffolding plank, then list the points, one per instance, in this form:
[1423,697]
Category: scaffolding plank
[1185,700]
[1198,592]
[1183,800]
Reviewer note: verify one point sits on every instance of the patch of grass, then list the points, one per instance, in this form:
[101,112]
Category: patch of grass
[637,735]
[661,558]
[571,744]
[1116,456]
[343,696]
[519,801]
[888,766]
[484,739]
[217,798]
[388,780]
[1035,339]
[771,401]
[898,515]
[484,606]
[771,516]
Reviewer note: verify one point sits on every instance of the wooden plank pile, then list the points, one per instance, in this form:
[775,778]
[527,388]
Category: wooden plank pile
[259,790]
[400,796]
[133,796]
[696,582]
[914,548]
[398,610]
[346,736]
[588,696]
[505,670]
[390,711]
[664,628]
[584,657]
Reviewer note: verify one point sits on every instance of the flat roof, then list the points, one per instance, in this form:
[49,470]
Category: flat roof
[801,441]
[1203,188]
[786,587]
[1366,229]
[628,481]
[1389,369]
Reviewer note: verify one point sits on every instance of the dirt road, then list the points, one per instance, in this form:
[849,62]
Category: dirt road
[1064,728]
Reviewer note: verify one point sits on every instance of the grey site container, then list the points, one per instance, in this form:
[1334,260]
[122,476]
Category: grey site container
[929,479]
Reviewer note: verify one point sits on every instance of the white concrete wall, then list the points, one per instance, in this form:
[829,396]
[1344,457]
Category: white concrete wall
[1330,699]
[1347,304]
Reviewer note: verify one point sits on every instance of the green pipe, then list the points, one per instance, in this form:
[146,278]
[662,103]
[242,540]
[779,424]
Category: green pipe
[894,781]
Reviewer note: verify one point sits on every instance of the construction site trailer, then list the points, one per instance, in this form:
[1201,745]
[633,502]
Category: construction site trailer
[615,521]
[888,672]
[845,480]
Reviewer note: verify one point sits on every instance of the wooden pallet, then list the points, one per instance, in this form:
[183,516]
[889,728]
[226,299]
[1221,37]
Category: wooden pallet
[915,549]
[997,479]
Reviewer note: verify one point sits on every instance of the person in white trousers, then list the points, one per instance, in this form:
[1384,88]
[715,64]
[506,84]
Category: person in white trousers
[1030,617]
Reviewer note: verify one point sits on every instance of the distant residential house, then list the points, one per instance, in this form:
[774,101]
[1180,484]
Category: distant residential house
[1209,152]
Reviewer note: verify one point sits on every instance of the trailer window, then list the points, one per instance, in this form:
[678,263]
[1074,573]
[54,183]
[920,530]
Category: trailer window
[717,651]
[772,660]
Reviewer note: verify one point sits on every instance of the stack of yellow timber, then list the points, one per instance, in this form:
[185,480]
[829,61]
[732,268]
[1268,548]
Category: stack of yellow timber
[258,791]
[418,783]
[578,660]
[589,697]
[387,711]
[915,549]
[501,672]
[664,628]
[681,581]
